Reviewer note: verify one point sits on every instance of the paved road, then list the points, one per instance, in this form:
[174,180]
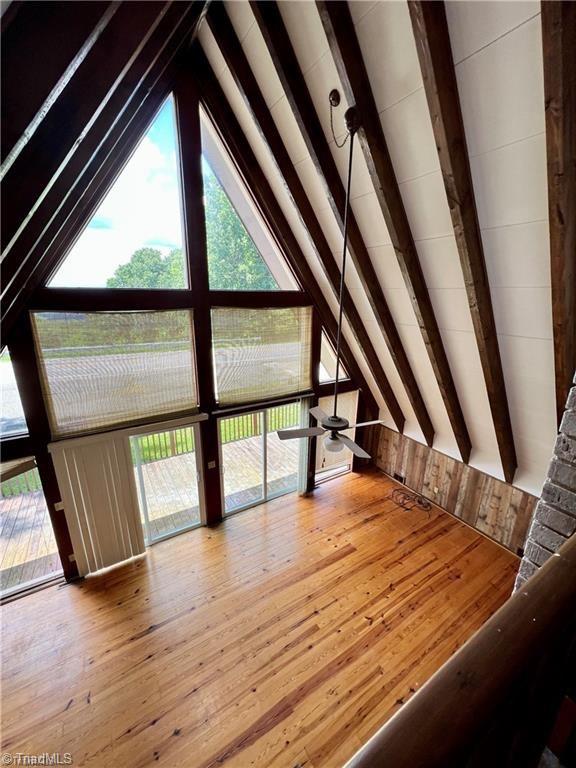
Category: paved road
[150,382]
[11,415]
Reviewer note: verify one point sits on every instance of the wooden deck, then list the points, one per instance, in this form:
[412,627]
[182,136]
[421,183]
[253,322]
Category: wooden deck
[27,545]
[284,637]
[172,493]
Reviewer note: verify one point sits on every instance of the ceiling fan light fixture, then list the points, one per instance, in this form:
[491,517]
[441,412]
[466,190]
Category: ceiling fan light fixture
[333,445]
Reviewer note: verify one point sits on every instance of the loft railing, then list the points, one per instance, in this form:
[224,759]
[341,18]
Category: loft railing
[494,702]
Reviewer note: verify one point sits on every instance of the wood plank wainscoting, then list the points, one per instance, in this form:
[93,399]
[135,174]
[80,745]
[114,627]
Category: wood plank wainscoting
[284,637]
[492,506]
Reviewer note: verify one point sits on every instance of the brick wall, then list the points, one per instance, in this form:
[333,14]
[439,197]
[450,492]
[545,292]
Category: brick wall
[555,515]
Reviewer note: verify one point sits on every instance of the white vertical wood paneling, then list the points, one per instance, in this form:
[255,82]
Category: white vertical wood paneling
[96,480]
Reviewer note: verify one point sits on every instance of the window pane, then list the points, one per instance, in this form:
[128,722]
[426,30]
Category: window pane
[12,421]
[241,254]
[242,451]
[134,240]
[106,368]
[282,456]
[328,462]
[28,552]
[328,362]
[261,353]
[166,481]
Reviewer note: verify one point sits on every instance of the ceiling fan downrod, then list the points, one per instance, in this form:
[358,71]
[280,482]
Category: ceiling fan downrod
[352,124]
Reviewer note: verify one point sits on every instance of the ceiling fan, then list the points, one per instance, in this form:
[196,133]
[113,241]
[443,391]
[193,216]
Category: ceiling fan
[333,426]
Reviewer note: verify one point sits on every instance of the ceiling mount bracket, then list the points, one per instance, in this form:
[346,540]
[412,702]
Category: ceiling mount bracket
[334,97]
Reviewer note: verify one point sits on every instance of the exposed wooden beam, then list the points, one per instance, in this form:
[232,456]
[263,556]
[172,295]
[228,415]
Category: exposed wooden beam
[347,55]
[230,132]
[81,185]
[435,54]
[39,47]
[280,48]
[236,59]
[61,131]
[559,51]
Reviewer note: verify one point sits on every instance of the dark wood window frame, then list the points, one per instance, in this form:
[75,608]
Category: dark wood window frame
[197,296]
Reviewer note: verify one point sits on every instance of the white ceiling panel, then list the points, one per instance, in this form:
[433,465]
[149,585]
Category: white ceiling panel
[520,311]
[410,138]
[501,90]
[426,206]
[440,262]
[241,17]
[477,23]
[259,59]
[389,52]
[510,184]
[306,31]
[518,255]
[385,263]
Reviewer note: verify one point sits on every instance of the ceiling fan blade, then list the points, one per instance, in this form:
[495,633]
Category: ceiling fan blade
[356,450]
[289,434]
[365,424]
[318,413]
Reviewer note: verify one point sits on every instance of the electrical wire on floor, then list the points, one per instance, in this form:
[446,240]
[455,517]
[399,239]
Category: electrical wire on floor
[409,500]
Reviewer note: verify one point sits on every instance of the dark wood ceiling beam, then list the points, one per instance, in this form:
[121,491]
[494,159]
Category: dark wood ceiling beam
[435,54]
[228,128]
[238,64]
[278,43]
[51,36]
[86,178]
[62,130]
[347,55]
[559,51]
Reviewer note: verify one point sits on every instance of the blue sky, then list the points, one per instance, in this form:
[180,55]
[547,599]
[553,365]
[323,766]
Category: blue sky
[142,208]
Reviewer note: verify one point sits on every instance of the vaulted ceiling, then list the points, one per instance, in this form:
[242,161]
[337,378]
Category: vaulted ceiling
[454,316]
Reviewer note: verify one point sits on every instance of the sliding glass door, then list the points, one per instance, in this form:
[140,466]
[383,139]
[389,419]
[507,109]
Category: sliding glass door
[167,473]
[256,465]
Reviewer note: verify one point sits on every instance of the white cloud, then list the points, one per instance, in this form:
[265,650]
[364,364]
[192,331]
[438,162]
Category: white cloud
[142,207]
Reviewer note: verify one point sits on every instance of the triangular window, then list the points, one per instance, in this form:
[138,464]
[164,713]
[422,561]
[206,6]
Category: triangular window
[241,253]
[328,362]
[134,240]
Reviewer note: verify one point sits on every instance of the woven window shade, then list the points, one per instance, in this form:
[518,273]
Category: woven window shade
[261,353]
[101,369]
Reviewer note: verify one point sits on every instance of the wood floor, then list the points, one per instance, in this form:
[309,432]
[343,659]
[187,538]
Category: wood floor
[283,638]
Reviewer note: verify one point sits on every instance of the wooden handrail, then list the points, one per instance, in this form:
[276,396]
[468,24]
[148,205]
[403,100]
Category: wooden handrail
[497,695]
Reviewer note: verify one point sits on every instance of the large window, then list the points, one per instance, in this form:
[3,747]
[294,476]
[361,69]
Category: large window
[261,353]
[100,369]
[241,254]
[12,421]
[134,240]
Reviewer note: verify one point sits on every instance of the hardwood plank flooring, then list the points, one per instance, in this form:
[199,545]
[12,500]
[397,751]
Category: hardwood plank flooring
[283,638]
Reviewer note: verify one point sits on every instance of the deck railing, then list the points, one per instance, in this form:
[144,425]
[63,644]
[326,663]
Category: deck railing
[163,445]
[494,702]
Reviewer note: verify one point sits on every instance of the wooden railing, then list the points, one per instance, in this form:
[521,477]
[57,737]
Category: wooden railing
[494,702]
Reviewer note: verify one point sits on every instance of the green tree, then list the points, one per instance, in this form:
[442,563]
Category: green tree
[147,268]
[234,262]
